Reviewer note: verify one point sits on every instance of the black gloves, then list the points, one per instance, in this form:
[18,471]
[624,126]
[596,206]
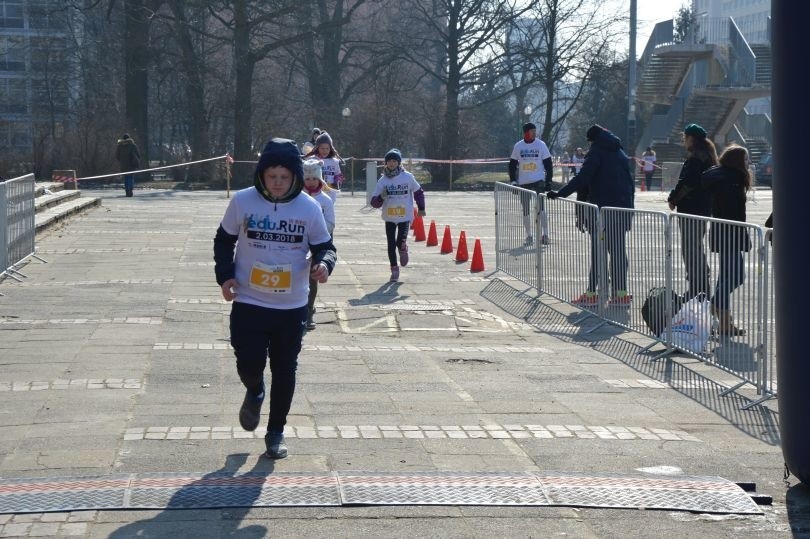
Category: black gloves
[552,195]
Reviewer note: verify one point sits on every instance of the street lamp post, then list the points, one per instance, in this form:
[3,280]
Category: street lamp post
[346,113]
[527,112]
[630,143]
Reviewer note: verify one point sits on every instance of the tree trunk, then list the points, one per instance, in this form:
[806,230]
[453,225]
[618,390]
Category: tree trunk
[548,73]
[245,64]
[194,66]
[136,60]
[450,130]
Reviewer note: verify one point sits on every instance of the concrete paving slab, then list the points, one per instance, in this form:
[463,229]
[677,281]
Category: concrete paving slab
[493,358]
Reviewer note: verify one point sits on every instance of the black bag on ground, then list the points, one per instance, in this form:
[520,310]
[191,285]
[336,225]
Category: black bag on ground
[654,310]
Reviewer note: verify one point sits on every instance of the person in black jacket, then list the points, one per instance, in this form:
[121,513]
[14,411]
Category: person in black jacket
[768,224]
[727,186]
[129,159]
[608,179]
[689,197]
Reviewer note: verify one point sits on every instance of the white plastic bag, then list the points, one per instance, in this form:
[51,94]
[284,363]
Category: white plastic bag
[692,325]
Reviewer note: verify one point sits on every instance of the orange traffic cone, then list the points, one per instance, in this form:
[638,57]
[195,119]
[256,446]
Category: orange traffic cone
[413,221]
[447,241]
[418,228]
[432,239]
[478,258]
[461,252]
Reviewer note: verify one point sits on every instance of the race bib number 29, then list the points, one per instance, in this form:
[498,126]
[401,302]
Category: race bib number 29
[271,279]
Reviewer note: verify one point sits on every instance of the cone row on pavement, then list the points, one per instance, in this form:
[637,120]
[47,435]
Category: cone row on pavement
[478,258]
[447,241]
[432,238]
[418,228]
[461,252]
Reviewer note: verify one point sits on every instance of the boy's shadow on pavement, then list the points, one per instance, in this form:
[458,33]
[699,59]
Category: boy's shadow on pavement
[193,497]
[386,293]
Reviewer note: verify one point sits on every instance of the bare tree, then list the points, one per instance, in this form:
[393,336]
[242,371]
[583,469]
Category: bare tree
[256,29]
[458,43]
[340,56]
[137,17]
[554,51]
[194,67]
[603,97]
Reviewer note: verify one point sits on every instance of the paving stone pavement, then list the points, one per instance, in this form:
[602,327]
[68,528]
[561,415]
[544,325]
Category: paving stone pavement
[115,360]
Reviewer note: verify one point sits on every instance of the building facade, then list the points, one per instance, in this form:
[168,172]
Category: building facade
[34,73]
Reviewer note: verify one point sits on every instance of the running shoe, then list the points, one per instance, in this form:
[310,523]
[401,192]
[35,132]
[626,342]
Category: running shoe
[276,445]
[403,254]
[251,410]
[588,299]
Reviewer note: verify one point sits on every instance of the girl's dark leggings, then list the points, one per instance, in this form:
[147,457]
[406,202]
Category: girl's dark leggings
[395,233]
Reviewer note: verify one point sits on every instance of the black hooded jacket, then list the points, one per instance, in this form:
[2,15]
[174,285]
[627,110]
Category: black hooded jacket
[689,195]
[605,174]
[277,152]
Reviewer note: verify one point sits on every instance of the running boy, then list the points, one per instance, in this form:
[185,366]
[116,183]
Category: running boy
[281,242]
[395,192]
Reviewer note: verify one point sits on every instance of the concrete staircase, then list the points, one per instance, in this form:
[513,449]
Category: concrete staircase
[757,147]
[54,203]
[764,65]
[665,71]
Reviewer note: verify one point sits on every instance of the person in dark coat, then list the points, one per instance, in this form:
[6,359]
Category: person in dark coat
[689,197]
[129,159]
[768,224]
[608,180]
[727,186]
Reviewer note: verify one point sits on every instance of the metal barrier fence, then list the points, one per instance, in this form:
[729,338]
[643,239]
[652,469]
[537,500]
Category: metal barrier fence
[17,227]
[566,261]
[516,227]
[712,276]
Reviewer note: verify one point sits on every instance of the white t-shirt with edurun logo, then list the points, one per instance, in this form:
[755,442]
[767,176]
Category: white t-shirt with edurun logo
[398,202]
[530,156]
[272,251]
[331,170]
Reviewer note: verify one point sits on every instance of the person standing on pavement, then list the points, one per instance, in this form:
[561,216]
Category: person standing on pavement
[271,241]
[727,186]
[690,198]
[395,193]
[315,187]
[606,180]
[578,158]
[531,167]
[129,159]
[565,166]
[648,166]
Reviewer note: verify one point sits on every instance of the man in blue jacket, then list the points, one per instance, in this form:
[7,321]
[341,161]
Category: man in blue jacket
[607,179]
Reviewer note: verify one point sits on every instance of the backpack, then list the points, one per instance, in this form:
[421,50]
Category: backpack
[654,310]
